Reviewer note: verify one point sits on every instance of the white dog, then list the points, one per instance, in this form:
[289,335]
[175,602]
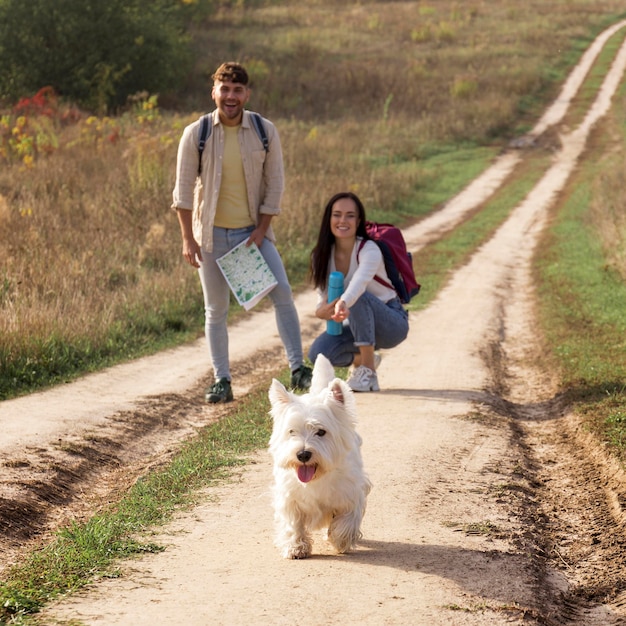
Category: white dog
[319,480]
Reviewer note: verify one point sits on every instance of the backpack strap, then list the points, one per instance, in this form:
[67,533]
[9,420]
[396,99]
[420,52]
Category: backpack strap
[204,134]
[257,122]
[206,126]
[377,278]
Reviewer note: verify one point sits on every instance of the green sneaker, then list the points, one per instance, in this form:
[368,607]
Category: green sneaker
[220,391]
[301,378]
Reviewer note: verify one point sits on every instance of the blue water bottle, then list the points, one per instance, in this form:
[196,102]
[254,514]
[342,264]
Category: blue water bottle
[335,289]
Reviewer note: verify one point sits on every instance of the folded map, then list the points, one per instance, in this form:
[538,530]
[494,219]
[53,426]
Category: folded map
[247,274]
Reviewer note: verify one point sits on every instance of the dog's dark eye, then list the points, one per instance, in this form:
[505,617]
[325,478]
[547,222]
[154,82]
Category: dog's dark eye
[321,432]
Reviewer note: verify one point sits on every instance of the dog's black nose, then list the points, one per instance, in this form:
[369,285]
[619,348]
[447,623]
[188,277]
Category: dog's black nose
[304,456]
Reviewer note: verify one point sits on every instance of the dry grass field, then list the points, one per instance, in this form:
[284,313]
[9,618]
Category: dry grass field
[403,102]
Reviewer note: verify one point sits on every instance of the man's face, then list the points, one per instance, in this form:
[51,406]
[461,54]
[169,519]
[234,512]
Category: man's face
[230,99]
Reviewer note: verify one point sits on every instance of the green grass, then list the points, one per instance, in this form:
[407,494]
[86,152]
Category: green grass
[581,279]
[594,80]
[583,313]
[53,359]
[587,300]
[91,549]
[436,263]
[445,171]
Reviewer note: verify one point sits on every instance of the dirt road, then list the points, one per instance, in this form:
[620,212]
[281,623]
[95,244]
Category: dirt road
[489,505]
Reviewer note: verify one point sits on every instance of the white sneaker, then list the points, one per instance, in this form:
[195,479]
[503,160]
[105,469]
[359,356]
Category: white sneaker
[363,379]
[377,359]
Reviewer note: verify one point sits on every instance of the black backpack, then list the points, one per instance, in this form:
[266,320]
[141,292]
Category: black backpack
[206,127]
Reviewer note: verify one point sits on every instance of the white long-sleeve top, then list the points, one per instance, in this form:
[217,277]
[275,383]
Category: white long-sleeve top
[360,276]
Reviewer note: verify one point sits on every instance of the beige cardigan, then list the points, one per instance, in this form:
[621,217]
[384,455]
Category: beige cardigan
[263,172]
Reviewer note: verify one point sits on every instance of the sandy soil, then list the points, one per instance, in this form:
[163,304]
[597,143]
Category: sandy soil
[490,505]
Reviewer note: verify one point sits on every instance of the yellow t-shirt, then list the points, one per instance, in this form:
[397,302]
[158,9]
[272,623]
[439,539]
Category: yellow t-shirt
[232,204]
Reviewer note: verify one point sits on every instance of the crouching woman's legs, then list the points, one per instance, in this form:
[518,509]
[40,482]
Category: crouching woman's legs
[374,324]
[338,349]
[379,324]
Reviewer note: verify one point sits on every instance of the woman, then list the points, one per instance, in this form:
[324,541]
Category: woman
[369,308]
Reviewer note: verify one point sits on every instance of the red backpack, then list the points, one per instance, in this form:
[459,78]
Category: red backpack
[398,261]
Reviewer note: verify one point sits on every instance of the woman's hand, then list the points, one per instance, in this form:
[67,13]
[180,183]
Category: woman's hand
[325,311]
[341,311]
[335,310]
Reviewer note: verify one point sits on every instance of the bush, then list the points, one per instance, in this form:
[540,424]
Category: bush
[95,54]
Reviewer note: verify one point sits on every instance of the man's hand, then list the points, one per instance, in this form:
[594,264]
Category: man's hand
[256,236]
[191,249]
[191,252]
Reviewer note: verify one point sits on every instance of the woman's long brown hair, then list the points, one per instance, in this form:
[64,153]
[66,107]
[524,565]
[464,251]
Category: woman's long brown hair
[320,255]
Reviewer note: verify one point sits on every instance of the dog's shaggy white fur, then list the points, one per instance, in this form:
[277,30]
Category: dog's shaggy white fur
[319,482]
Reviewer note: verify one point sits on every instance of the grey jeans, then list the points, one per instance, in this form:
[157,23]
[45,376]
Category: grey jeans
[372,322]
[217,298]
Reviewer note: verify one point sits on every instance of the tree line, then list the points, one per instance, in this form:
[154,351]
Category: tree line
[96,53]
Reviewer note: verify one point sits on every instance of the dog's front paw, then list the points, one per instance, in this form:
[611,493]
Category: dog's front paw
[298,553]
[344,531]
[299,550]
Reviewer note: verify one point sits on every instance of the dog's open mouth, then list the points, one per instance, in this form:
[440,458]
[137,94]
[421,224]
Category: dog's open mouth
[306,473]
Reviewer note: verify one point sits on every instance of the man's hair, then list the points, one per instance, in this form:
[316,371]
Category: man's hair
[231,72]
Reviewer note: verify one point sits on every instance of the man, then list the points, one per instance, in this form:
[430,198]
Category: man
[239,191]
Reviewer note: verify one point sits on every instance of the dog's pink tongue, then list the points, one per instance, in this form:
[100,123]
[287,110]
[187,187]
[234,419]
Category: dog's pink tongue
[306,473]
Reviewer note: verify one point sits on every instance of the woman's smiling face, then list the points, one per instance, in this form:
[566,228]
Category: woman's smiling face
[344,219]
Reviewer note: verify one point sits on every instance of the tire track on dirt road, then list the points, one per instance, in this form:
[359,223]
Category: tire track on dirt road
[454,532]
[431,228]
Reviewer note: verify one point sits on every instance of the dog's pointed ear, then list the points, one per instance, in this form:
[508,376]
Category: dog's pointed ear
[278,394]
[323,373]
[336,392]
[340,392]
